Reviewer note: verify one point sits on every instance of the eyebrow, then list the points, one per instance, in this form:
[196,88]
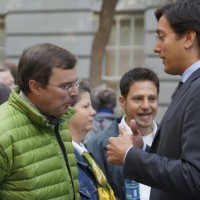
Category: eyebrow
[158,31]
[67,83]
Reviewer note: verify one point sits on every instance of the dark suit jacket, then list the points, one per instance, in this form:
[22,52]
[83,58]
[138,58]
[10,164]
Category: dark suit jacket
[172,168]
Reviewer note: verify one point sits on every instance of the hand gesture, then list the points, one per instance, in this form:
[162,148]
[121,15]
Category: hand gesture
[118,146]
[136,135]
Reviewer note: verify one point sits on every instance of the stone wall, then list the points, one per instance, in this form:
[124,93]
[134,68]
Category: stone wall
[67,23]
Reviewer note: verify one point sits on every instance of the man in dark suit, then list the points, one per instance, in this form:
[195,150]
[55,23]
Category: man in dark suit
[172,165]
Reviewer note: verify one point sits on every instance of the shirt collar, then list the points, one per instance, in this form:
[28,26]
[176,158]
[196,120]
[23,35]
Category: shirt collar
[190,70]
[128,130]
[80,148]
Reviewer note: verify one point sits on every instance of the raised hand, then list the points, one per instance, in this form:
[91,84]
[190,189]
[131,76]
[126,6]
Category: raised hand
[118,146]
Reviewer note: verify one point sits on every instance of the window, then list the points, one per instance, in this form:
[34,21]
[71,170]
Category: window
[125,48]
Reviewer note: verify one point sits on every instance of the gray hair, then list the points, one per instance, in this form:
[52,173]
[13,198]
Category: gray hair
[103,97]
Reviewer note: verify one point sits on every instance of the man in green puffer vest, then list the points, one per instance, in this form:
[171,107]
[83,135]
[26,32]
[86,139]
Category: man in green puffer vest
[37,158]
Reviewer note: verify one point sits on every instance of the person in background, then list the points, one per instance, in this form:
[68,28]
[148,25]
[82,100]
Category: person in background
[91,184]
[139,89]
[4,93]
[12,68]
[172,165]
[37,158]
[6,77]
[104,102]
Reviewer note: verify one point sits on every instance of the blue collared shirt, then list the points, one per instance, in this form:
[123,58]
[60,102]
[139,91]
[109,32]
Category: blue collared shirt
[188,72]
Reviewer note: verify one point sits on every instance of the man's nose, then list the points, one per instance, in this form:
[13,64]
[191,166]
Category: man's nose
[156,48]
[145,104]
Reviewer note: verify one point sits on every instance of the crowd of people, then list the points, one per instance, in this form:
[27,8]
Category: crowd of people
[61,139]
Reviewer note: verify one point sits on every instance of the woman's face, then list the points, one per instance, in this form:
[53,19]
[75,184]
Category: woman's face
[83,118]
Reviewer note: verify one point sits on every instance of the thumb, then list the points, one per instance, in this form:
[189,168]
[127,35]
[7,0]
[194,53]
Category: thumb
[133,127]
[136,135]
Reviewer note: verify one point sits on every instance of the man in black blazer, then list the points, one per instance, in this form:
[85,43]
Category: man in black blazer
[172,165]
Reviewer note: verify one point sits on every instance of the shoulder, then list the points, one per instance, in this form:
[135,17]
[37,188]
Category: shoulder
[102,138]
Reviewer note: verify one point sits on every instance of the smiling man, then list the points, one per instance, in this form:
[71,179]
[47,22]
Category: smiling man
[139,99]
[37,158]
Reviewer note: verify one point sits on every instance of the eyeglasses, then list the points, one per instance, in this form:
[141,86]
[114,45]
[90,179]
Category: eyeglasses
[70,86]
[160,38]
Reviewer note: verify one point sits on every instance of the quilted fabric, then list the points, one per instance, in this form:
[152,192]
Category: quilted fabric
[32,165]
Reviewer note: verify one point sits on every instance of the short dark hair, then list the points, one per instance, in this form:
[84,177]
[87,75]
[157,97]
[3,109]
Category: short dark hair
[135,75]
[83,87]
[37,61]
[183,16]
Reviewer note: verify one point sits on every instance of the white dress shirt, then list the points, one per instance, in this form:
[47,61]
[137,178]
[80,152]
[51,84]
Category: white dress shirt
[148,139]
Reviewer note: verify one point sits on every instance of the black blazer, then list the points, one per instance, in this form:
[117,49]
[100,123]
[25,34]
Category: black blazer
[172,167]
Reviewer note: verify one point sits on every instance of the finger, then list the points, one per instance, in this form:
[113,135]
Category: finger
[110,141]
[133,127]
[122,131]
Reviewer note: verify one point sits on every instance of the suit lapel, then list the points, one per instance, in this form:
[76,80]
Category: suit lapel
[177,97]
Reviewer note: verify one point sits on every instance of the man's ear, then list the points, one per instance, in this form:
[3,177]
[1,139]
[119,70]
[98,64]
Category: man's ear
[35,87]
[190,39]
[122,102]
